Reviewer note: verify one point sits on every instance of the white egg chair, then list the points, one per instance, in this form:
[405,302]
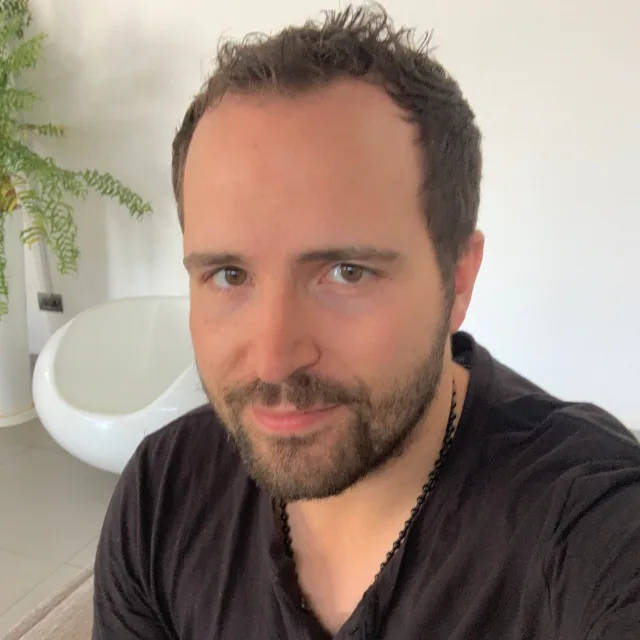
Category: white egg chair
[114,374]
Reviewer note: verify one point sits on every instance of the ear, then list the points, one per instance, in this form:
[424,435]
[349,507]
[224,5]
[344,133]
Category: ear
[466,273]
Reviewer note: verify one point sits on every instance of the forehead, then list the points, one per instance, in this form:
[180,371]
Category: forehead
[334,165]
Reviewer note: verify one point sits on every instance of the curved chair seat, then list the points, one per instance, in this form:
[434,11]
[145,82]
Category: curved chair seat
[114,374]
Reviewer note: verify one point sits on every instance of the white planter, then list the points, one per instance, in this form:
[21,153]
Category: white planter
[16,400]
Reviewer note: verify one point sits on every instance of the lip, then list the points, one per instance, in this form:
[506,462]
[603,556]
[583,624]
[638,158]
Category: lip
[290,422]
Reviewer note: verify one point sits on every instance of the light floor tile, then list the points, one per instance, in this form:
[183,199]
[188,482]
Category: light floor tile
[10,452]
[43,473]
[19,574]
[86,557]
[36,596]
[53,530]
[52,505]
[51,511]
[29,434]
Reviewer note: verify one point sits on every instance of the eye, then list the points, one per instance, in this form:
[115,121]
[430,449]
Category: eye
[229,277]
[348,273]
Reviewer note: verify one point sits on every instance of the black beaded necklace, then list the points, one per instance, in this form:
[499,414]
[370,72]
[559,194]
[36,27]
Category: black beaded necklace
[426,491]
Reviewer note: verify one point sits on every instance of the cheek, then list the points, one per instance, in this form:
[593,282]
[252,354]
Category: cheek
[214,345]
[366,345]
[385,341]
[199,326]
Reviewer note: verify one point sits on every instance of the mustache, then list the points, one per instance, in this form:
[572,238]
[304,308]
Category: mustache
[301,389]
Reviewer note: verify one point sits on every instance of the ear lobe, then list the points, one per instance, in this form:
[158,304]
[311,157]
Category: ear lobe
[466,274]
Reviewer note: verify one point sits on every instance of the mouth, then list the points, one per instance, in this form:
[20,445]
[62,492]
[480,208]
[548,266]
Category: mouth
[282,421]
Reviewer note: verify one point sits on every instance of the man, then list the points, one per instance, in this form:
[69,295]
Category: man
[364,469]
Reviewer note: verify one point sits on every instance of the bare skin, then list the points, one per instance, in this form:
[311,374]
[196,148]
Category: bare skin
[267,180]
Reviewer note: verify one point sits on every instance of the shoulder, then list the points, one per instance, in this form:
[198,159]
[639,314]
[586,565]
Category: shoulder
[184,465]
[194,448]
[543,450]
[566,475]
[592,529]
[190,436]
[572,437]
[521,417]
[180,476]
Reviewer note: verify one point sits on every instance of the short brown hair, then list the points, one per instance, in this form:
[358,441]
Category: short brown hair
[362,43]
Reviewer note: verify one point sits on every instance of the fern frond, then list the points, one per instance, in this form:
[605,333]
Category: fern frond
[50,130]
[109,186]
[25,56]
[27,178]
[15,13]
[14,101]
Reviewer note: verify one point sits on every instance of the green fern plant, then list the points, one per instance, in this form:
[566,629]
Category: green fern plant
[29,180]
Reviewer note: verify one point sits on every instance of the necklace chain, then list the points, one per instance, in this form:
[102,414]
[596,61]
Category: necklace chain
[427,488]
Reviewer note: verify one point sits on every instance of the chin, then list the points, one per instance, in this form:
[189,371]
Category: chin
[305,467]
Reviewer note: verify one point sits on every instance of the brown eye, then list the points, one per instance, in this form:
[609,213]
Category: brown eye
[230,277]
[348,273]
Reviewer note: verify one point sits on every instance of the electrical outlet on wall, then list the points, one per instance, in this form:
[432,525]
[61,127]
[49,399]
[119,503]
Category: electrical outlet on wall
[50,302]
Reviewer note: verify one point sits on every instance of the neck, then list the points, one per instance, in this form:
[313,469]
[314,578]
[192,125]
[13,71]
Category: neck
[374,510]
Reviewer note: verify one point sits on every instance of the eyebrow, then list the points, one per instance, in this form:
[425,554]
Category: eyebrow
[210,259]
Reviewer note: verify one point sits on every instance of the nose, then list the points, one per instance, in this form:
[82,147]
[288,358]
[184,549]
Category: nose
[283,342]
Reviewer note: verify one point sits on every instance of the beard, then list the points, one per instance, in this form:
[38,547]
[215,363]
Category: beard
[327,462]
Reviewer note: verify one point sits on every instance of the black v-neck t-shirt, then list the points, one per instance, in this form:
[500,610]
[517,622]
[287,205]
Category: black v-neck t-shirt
[531,533]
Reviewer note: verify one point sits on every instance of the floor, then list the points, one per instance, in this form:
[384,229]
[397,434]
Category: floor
[51,511]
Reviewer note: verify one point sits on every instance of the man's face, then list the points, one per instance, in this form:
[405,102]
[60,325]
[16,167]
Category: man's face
[317,311]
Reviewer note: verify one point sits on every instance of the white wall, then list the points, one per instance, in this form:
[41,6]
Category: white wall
[554,84]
